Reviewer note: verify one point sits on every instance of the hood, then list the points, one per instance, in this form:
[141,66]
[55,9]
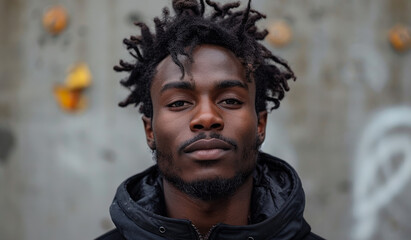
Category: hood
[277,207]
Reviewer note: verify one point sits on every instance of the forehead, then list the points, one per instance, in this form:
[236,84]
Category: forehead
[209,60]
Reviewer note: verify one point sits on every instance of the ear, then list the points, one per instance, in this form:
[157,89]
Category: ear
[261,125]
[148,128]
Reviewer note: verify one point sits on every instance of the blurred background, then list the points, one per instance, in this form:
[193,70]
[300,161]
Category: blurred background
[345,125]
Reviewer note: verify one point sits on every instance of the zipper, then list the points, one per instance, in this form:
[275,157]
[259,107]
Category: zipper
[200,236]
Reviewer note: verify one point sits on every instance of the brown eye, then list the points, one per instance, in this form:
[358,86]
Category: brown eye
[178,104]
[232,101]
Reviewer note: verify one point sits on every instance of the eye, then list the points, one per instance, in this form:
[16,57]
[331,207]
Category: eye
[232,101]
[178,104]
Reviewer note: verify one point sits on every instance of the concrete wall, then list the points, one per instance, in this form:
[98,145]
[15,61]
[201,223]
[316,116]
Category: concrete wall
[345,125]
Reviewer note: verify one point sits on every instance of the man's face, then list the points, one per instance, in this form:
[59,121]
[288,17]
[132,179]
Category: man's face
[204,127]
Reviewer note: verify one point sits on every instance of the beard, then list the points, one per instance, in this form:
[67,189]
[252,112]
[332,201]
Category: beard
[213,188]
[209,189]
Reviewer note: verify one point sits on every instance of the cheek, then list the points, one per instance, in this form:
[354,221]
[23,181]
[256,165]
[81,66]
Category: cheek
[244,126]
[167,132]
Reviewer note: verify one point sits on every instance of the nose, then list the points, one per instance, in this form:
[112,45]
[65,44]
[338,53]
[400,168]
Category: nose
[206,118]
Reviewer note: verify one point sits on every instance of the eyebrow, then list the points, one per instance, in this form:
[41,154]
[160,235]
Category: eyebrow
[190,86]
[179,85]
[230,84]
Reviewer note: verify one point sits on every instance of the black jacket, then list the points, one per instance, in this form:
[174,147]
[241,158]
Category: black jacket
[276,210]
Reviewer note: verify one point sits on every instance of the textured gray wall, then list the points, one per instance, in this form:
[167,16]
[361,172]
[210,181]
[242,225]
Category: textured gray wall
[345,125]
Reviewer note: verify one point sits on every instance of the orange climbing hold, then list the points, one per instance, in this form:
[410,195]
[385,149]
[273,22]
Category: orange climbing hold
[55,19]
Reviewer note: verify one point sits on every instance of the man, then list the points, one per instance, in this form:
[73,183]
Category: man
[204,85]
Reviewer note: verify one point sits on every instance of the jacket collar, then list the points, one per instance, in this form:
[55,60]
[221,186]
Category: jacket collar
[277,207]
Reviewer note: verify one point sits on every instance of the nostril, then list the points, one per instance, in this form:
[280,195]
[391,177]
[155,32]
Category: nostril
[198,126]
[215,125]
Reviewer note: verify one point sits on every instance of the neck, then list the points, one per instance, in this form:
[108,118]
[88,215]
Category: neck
[233,210]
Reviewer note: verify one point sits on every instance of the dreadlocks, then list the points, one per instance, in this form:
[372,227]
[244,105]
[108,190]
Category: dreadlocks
[190,27]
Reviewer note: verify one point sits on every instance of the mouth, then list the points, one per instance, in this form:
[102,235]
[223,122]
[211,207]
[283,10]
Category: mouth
[208,149]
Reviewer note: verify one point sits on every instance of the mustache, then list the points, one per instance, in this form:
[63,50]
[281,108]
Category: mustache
[204,136]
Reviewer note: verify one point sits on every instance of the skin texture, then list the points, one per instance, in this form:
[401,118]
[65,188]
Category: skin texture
[213,100]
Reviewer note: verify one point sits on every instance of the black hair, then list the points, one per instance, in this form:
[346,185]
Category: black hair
[189,27]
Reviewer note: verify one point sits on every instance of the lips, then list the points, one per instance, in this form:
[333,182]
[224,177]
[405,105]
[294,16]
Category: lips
[207,145]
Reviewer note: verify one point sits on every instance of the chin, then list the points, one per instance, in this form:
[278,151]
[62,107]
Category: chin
[209,186]
[209,173]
